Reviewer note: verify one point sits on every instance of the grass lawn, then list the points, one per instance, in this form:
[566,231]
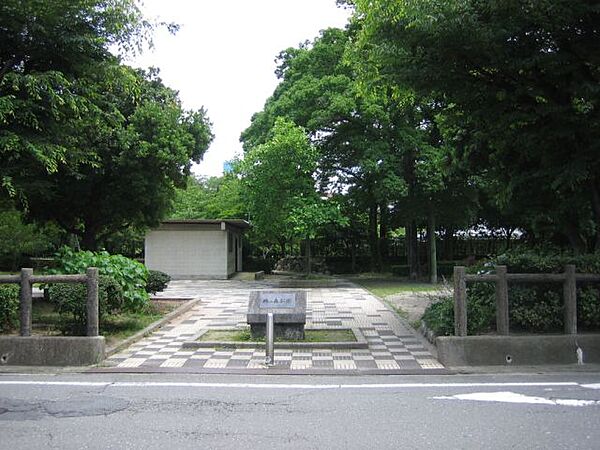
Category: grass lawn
[382,287]
[310,336]
[114,328]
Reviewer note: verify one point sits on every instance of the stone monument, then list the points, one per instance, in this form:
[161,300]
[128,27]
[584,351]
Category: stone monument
[289,313]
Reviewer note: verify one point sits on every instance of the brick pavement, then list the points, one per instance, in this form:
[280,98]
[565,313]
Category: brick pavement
[392,347]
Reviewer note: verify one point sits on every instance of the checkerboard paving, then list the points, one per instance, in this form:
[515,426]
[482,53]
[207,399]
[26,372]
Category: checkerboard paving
[392,347]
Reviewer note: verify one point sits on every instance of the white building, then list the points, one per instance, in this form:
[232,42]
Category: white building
[196,249]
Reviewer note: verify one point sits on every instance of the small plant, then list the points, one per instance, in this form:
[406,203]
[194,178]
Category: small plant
[157,281]
[129,274]
[70,301]
[9,306]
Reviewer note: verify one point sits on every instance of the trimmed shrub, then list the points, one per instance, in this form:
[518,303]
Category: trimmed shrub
[70,300]
[129,274]
[9,306]
[157,281]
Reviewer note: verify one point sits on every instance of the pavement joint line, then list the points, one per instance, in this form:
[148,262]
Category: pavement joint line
[117,384]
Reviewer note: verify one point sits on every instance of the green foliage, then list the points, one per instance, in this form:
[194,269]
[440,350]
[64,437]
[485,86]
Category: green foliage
[209,198]
[533,307]
[143,143]
[517,95]
[309,215]
[89,143]
[70,301]
[18,239]
[9,306]
[275,175]
[439,316]
[49,53]
[129,274]
[157,281]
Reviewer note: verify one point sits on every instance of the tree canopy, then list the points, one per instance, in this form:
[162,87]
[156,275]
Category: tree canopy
[86,141]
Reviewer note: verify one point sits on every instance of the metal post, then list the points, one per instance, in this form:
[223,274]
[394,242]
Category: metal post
[460,301]
[92,301]
[570,295]
[502,323]
[26,299]
[270,357]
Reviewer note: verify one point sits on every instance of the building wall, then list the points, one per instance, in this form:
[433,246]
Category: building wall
[188,253]
[236,239]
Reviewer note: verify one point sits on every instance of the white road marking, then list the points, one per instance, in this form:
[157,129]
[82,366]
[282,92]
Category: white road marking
[591,386]
[512,397]
[167,384]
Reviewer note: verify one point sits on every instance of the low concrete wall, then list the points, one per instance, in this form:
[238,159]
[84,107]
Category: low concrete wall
[456,351]
[51,350]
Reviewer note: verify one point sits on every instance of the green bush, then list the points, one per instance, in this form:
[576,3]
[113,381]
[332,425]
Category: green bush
[9,306]
[129,274]
[70,301]
[439,316]
[533,307]
[157,281]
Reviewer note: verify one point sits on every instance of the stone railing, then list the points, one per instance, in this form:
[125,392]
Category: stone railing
[501,279]
[26,279]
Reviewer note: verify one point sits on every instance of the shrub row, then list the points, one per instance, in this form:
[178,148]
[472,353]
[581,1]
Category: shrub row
[533,307]
[9,306]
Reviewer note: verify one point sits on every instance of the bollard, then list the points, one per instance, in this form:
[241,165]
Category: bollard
[270,356]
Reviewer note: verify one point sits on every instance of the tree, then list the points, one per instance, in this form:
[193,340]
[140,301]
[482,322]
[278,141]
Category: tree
[19,239]
[210,198]
[307,218]
[277,177]
[48,52]
[143,144]
[520,83]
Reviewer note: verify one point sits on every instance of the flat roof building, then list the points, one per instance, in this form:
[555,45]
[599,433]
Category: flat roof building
[196,249]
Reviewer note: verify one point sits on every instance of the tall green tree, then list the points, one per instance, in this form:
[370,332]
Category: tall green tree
[143,144]
[277,177]
[48,52]
[520,83]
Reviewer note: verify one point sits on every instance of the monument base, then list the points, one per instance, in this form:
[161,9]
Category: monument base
[288,331]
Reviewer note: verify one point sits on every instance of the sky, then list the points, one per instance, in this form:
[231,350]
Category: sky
[223,57]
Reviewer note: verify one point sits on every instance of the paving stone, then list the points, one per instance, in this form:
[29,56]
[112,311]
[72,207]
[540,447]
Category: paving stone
[224,304]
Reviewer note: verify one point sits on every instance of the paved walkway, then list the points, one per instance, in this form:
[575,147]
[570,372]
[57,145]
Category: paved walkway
[392,347]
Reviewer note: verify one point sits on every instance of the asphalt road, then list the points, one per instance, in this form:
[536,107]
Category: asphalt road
[77,411]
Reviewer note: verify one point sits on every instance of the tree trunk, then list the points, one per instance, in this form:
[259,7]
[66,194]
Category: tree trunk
[89,240]
[411,250]
[282,247]
[575,240]
[373,239]
[308,257]
[596,208]
[353,256]
[383,232]
[432,247]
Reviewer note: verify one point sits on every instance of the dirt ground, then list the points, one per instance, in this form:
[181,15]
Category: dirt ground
[415,303]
